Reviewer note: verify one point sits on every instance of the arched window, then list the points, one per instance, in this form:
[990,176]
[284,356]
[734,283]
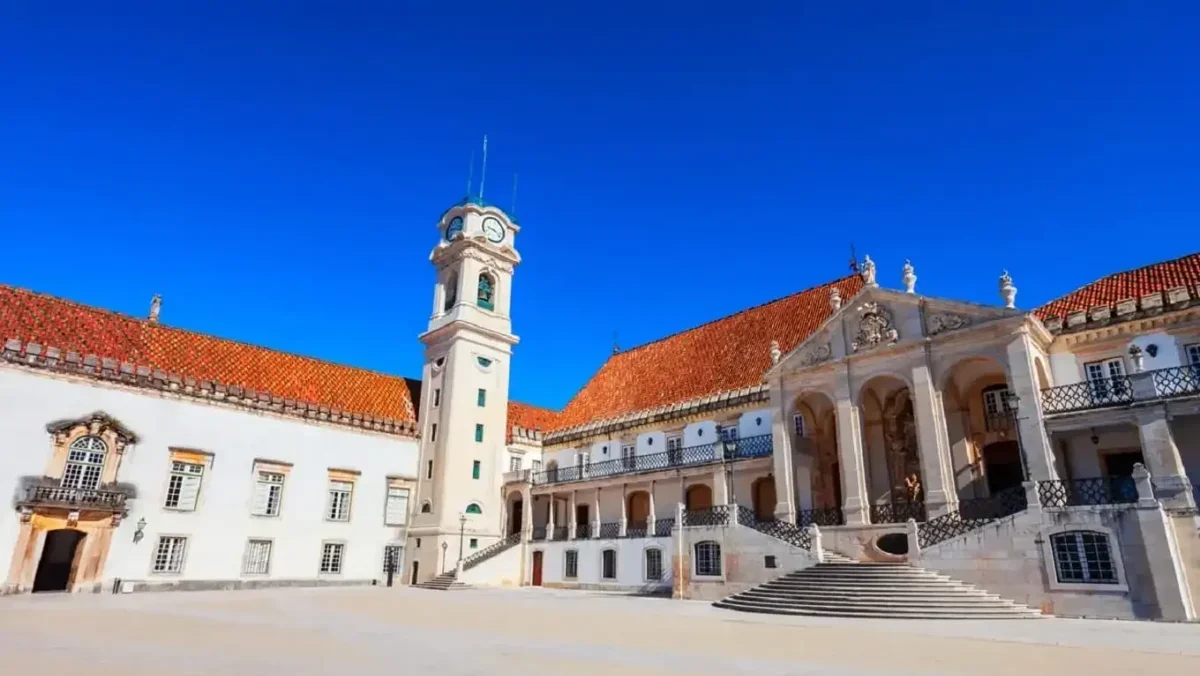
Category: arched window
[552,471]
[426,507]
[486,298]
[654,571]
[571,564]
[708,558]
[608,564]
[798,423]
[997,407]
[451,292]
[1083,557]
[85,460]
[474,508]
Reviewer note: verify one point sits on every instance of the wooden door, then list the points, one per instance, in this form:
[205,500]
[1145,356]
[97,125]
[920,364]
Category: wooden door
[764,498]
[537,569]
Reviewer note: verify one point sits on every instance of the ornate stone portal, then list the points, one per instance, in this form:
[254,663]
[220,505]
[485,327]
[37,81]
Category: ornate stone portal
[874,327]
[900,439]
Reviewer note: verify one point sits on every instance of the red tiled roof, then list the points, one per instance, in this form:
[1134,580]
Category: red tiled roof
[1120,286]
[529,417]
[720,356]
[70,326]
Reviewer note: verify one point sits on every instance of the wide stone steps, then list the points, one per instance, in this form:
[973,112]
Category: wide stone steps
[444,582]
[878,590]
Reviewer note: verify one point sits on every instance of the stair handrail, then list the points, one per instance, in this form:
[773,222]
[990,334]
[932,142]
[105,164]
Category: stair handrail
[972,514]
[780,530]
[490,551]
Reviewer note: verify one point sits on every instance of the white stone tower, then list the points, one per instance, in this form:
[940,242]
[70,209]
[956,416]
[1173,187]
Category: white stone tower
[464,390]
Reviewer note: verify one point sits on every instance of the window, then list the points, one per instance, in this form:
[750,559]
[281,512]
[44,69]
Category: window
[627,459]
[391,559]
[433,433]
[426,507]
[535,465]
[484,361]
[268,494]
[332,554]
[571,564]
[729,433]
[1193,354]
[183,486]
[798,425]
[396,511]
[608,564]
[338,508]
[1107,379]
[708,558]
[478,432]
[514,463]
[451,292]
[1083,557]
[473,543]
[168,555]
[653,565]
[674,450]
[429,470]
[487,291]
[997,407]
[257,560]
[481,398]
[437,397]
[85,459]
[474,508]
[475,469]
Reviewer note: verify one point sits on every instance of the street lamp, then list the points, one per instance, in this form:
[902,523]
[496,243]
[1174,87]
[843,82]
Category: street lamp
[445,546]
[462,527]
[1012,404]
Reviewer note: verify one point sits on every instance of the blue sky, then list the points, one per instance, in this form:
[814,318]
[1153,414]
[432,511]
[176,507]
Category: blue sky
[275,170]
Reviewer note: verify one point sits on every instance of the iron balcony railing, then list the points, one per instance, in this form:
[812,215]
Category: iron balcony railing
[705,454]
[583,531]
[663,527]
[490,551]
[560,532]
[1117,490]
[897,512]
[780,530]
[971,514]
[610,530]
[539,533]
[1179,381]
[73,498]
[717,515]
[822,516]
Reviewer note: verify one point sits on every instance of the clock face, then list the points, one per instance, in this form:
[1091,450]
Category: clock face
[454,229]
[494,229]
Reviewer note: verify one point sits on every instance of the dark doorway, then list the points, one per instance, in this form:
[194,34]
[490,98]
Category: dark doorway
[518,513]
[581,515]
[763,493]
[537,569]
[58,555]
[1121,464]
[1002,465]
[413,579]
[837,485]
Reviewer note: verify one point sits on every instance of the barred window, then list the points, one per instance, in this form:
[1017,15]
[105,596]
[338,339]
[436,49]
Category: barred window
[654,569]
[268,494]
[1083,557]
[391,559]
[535,466]
[331,557]
[339,500]
[85,459]
[183,485]
[168,555]
[514,463]
[729,433]
[708,558]
[571,564]
[608,564]
[258,558]
[798,424]
[674,443]
[1193,354]
[396,507]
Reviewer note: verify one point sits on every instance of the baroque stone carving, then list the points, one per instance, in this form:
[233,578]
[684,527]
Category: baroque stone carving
[874,327]
[946,321]
[909,278]
[835,298]
[816,354]
[776,353]
[868,272]
[1008,292]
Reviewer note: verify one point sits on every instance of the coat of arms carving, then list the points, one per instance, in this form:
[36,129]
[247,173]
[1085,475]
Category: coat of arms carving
[874,327]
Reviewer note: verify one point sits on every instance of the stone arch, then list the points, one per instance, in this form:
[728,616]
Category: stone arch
[637,509]
[816,453]
[889,441]
[976,414]
[486,290]
[1042,373]
[697,497]
[762,494]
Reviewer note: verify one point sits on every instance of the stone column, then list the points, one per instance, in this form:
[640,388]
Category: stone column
[624,510]
[1171,483]
[527,513]
[550,519]
[850,455]
[653,516]
[19,554]
[1022,378]
[720,486]
[781,455]
[937,477]
[596,518]
[1167,569]
[571,517]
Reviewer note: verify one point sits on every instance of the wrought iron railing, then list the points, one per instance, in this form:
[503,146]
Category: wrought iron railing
[610,530]
[971,514]
[539,533]
[560,532]
[705,454]
[663,527]
[822,516]
[583,531]
[490,551]
[74,498]
[717,515]
[636,529]
[998,422]
[1115,490]
[780,530]
[1178,381]
[897,512]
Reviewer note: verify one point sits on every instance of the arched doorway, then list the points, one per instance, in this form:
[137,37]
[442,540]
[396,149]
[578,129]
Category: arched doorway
[698,496]
[58,558]
[763,493]
[516,516]
[637,511]
[1002,466]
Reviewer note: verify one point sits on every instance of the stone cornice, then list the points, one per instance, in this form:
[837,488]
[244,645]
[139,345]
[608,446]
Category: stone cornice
[1141,322]
[1131,309]
[55,360]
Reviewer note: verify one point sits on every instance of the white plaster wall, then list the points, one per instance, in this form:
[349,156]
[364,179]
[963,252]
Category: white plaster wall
[503,570]
[630,562]
[754,423]
[1085,455]
[1187,439]
[218,529]
[651,442]
[1065,369]
[697,433]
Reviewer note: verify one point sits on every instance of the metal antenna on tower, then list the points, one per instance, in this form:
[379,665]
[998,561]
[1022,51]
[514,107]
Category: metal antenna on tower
[483,171]
[853,258]
[513,206]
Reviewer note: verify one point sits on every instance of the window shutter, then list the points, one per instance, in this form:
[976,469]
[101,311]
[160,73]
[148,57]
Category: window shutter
[188,492]
[397,505]
[262,494]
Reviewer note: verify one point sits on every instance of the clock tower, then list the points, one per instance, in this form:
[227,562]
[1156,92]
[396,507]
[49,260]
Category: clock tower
[464,390]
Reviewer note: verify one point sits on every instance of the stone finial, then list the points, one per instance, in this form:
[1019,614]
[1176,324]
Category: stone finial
[1008,292]
[155,307]
[909,278]
[835,298]
[1139,359]
[776,353]
[867,270]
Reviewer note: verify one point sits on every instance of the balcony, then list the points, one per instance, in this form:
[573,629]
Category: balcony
[1171,383]
[517,476]
[691,456]
[74,499]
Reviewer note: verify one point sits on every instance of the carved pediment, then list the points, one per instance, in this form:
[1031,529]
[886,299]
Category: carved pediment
[941,322]
[815,354]
[875,327]
[94,424]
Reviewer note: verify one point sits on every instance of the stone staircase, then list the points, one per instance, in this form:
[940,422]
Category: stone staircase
[843,588]
[444,582]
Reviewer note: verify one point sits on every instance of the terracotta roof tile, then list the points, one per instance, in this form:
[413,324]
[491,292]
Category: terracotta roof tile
[720,356]
[529,417]
[71,326]
[1120,286]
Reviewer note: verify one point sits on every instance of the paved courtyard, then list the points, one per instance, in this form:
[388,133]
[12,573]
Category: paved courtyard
[498,632]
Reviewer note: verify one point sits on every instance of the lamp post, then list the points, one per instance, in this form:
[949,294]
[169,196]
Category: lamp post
[462,527]
[1012,404]
[445,546]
